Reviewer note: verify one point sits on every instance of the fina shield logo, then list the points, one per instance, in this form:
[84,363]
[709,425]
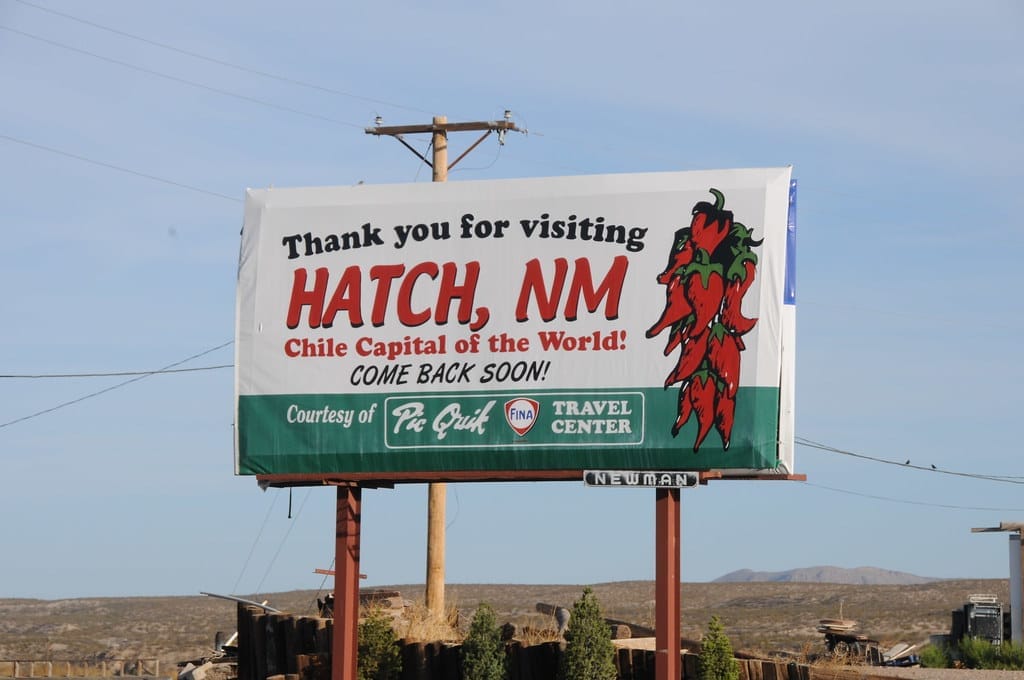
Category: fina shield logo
[521,413]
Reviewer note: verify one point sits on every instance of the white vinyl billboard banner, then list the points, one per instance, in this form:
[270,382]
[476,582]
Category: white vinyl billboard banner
[638,321]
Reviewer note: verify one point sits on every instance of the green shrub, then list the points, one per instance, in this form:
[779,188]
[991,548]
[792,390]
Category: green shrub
[483,652]
[716,660]
[933,656]
[589,653]
[1011,654]
[976,653]
[378,655]
[981,654]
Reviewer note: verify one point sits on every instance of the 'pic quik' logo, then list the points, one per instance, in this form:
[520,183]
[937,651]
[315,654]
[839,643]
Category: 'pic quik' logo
[521,413]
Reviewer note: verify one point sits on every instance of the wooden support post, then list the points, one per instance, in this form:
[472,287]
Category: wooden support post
[440,142]
[437,492]
[244,641]
[346,584]
[257,634]
[434,593]
[666,611]
[291,645]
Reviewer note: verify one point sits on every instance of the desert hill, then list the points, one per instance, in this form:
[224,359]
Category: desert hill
[870,576]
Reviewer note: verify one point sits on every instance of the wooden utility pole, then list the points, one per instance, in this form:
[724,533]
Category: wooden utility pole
[440,145]
[437,491]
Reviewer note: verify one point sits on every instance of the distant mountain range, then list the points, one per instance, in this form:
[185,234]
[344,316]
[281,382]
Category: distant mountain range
[871,576]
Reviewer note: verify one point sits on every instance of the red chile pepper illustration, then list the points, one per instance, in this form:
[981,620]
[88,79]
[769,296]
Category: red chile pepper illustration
[695,349]
[704,288]
[682,255]
[710,224]
[702,396]
[741,240]
[724,358]
[725,413]
[685,408]
[741,277]
[680,331]
[677,308]
[710,269]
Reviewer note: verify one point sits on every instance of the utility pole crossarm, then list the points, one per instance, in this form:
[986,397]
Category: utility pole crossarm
[440,129]
[473,126]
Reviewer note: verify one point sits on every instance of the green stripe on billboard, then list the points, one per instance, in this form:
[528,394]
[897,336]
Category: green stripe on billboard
[337,433]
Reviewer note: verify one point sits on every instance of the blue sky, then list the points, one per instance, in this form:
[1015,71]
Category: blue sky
[125,164]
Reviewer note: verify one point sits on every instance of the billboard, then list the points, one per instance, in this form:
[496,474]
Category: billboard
[632,321]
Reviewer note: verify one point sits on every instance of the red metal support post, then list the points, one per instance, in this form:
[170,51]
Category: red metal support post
[667,659]
[346,584]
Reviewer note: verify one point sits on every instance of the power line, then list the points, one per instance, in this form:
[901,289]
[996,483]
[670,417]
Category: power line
[266,518]
[142,69]
[111,166]
[497,154]
[284,539]
[114,387]
[319,590]
[909,502]
[221,62]
[832,449]
[294,81]
[112,374]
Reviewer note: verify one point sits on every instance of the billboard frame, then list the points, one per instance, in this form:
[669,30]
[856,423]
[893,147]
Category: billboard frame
[258,420]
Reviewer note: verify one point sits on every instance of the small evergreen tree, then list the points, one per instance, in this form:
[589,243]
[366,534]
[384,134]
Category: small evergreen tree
[483,652]
[589,653]
[716,660]
[378,655]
